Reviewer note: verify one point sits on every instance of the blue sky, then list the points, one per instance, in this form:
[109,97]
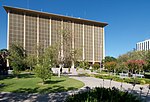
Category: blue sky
[129,20]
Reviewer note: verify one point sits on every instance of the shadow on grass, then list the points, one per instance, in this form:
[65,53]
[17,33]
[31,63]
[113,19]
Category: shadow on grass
[56,89]
[26,75]
[2,77]
[2,85]
[53,89]
[53,81]
[26,90]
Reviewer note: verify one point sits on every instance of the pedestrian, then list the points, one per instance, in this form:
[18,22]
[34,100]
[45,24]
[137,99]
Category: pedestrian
[61,70]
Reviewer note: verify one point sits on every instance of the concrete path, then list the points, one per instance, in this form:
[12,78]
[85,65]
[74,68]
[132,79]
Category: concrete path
[96,82]
[60,97]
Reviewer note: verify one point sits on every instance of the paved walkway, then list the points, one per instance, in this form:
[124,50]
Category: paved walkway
[96,82]
[60,97]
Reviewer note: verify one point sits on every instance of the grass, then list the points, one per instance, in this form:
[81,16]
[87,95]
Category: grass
[31,84]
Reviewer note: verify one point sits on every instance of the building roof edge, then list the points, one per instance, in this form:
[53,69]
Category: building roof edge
[9,8]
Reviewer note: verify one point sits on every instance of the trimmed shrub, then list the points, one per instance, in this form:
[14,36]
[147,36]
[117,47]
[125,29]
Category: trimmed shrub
[142,82]
[147,76]
[96,66]
[103,95]
[106,76]
[127,80]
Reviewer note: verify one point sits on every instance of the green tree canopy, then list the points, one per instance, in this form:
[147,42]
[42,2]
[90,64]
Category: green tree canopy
[109,59]
[132,59]
[45,63]
[110,66]
[84,64]
[3,59]
[31,61]
[16,58]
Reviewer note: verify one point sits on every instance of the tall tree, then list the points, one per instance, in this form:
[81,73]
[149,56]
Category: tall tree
[130,56]
[108,62]
[147,68]
[17,57]
[111,66]
[84,64]
[45,63]
[135,65]
[67,55]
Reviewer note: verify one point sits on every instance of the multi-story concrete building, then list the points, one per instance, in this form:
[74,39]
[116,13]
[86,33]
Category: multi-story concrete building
[30,28]
[143,45]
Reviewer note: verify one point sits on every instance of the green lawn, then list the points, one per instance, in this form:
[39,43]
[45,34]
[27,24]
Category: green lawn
[30,84]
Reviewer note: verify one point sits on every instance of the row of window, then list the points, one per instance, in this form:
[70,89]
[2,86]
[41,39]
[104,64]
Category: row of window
[31,32]
[143,46]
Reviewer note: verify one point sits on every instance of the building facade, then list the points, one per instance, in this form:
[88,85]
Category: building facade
[30,28]
[143,45]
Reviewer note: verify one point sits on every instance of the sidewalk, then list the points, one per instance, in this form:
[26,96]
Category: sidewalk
[96,82]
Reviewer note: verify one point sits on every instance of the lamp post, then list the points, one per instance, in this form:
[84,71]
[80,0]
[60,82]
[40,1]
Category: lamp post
[103,82]
[110,83]
[141,88]
[121,86]
[134,83]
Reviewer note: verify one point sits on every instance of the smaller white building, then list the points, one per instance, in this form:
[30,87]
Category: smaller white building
[143,45]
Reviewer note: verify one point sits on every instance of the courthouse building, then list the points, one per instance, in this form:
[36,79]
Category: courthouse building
[143,45]
[30,28]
